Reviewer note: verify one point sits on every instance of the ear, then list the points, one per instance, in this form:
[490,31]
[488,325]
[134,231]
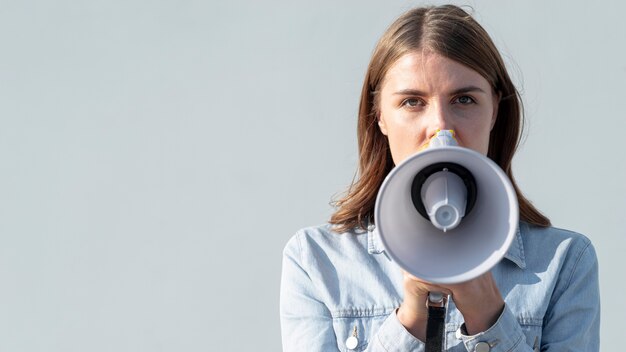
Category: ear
[496,104]
[382,125]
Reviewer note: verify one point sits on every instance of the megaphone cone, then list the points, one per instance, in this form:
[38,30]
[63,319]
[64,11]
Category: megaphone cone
[479,238]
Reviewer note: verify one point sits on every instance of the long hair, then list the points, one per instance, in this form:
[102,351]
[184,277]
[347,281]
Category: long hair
[450,32]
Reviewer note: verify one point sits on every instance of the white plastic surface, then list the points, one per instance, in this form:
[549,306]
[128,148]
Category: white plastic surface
[463,253]
[445,198]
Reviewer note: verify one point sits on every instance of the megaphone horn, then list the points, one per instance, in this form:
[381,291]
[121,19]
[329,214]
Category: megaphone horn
[446,214]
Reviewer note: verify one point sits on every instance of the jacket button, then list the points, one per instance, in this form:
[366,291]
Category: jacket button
[482,347]
[352,342]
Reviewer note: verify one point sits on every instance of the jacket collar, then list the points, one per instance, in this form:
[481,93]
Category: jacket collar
[374,243]
[515,253]
[516,250]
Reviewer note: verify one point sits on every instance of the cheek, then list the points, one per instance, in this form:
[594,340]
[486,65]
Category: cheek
[475,137]
[404,140]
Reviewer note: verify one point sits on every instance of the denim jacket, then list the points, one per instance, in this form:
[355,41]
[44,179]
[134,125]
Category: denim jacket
[335,286]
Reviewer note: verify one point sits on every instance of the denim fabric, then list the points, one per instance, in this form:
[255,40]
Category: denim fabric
[339,285]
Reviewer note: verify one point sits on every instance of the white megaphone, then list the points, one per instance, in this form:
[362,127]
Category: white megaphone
[446,214]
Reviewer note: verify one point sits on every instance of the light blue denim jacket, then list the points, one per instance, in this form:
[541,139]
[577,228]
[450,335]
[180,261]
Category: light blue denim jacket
[339,285]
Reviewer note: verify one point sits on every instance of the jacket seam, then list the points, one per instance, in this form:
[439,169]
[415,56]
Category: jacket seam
[348,314]
[381,343]
[580,256]
[519,340]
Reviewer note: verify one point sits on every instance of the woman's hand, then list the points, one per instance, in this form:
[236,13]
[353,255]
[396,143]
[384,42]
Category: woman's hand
[413,312]
[478,300]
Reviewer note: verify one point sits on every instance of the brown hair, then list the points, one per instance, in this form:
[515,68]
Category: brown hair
[451,32]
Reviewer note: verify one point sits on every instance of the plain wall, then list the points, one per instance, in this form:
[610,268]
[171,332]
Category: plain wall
[155,156]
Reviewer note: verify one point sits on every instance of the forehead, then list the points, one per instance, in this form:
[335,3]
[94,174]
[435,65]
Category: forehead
[431,72]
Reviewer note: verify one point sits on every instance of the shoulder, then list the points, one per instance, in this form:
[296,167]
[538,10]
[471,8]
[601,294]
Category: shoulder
[564,250]
[321,249]
[342,271]
[323,239]
[553,238]
[552,233]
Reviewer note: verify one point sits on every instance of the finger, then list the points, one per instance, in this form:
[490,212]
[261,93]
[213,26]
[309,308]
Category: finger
[419,286]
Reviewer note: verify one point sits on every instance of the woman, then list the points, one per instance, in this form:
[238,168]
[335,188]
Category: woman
[436,69]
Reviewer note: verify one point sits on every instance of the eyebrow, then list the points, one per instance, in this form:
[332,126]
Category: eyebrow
[468,89]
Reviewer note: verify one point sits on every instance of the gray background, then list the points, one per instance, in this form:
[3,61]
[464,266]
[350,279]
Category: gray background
[155,156]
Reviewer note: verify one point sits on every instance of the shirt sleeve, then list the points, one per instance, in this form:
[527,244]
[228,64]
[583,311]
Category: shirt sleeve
[572,321]
[305,320]
[393,336]
[307,323]
[505,335]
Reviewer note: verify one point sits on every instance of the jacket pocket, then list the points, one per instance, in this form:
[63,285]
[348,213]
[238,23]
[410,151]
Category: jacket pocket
[362,328]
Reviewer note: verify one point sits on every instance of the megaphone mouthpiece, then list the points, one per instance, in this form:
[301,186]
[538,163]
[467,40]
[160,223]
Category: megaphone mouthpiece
[444,197]
[443,193]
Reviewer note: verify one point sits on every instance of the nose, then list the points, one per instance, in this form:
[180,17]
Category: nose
[438,118]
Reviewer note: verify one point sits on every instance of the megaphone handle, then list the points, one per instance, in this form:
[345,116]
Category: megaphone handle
[436,321]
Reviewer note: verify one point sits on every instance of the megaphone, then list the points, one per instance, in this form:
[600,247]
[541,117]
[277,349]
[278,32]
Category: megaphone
[446,214]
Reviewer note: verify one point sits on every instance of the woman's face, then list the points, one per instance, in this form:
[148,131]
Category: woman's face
[424,92]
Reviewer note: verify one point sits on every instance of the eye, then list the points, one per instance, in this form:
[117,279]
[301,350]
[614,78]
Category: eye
[465,100]
[412,102]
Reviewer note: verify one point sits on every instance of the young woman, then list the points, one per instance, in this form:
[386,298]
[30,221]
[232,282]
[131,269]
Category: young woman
[434,69]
